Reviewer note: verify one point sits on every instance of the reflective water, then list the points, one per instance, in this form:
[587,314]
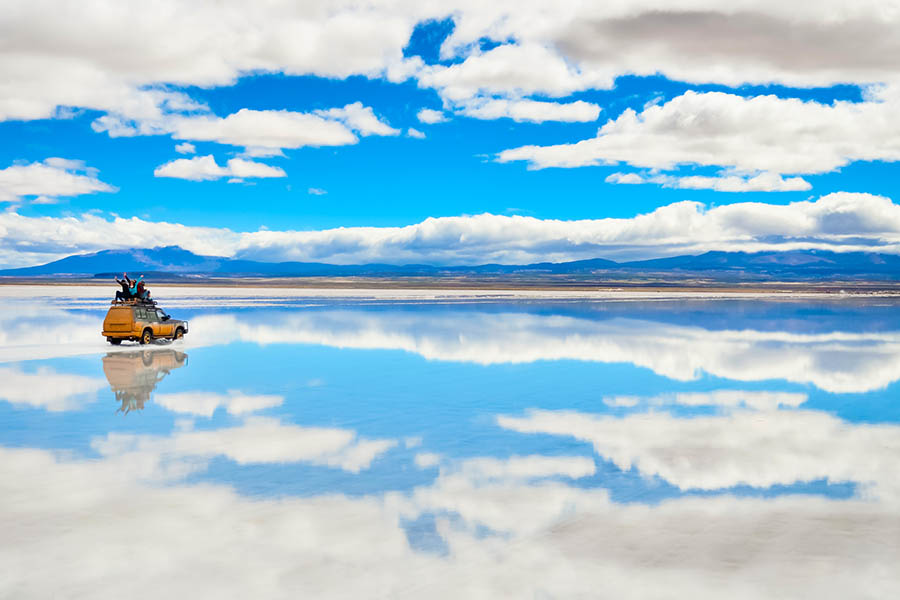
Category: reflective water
[296,446]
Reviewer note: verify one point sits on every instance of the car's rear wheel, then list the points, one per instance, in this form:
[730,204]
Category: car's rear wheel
[179,333]
[147,336]
[114,341]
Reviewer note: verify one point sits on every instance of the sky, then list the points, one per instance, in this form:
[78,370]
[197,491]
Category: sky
[452,132]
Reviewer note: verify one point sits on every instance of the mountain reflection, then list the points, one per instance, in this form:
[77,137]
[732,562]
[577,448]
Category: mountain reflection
[133,376]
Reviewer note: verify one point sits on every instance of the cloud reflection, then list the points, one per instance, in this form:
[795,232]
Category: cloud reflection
[743,447]
[48,389]
[839,361]
[258,440]
[507,538]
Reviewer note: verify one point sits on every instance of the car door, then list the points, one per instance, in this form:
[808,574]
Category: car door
[166,328]
[155,322]
[140,320]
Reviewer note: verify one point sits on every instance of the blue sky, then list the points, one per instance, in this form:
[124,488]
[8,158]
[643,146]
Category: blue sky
[262,149]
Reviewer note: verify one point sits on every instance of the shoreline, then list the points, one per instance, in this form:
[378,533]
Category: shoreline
[396,288]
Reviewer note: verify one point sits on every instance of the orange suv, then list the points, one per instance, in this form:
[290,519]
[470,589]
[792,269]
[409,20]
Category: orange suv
[140,322]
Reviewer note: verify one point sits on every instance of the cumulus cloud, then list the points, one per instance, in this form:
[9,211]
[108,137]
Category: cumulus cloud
[185,148]
[202,49]
[557,49]
[543,52]
[44,182]
[314,191]
[205,168]
[260,132]
[762,182]
[757,134]
[700,42]
[531,111]
[838,222]
[430,116]
[415,133]
[359,118]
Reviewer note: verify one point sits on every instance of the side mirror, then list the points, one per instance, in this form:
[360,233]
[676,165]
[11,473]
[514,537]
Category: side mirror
[166,317]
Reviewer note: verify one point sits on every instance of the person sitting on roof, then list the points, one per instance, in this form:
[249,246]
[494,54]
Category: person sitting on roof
[142,292]
[125,294]
[134,284]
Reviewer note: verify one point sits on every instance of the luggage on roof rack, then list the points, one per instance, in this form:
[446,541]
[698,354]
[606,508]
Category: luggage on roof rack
[133,302]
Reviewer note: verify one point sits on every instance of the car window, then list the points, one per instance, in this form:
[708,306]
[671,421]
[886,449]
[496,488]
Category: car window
[160,314]
[141,314]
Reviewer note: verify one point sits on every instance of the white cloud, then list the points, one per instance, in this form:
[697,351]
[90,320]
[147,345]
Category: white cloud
[763,182]
[206,403]
[430,116]
[313,191]
[625,178]
[758,134]
[511,69]
[415,133]
[185,148]
[264,129]
[838,222]
[48,389]
[260,132]
[49,180]
[530,110]
[205,168]
[555,51]
[359,118]
[117,71]
[749,42]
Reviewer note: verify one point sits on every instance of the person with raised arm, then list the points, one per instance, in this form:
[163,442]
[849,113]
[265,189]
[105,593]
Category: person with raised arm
[124,294]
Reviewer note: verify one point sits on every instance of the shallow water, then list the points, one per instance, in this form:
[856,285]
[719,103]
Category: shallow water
[297,446]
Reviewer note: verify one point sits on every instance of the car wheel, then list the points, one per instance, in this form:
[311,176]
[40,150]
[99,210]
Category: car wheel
[114,341]
[179,333]
[147,336]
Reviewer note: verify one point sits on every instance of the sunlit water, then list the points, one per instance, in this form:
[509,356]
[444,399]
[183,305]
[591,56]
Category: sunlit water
[356,447]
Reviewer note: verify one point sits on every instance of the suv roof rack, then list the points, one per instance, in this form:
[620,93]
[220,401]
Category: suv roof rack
[133,302]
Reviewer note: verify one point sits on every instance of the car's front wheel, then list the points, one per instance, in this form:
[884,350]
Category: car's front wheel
[179,333]
[147,336]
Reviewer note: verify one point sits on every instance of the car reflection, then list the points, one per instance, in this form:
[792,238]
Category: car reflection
[133,376]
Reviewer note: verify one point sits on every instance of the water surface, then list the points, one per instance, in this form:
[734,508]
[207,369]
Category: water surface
[453,447]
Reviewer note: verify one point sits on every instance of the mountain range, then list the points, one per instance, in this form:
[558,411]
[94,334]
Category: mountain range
[174,261]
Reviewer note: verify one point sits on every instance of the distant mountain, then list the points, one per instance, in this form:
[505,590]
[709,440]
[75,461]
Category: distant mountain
[173,261]
[810,263]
